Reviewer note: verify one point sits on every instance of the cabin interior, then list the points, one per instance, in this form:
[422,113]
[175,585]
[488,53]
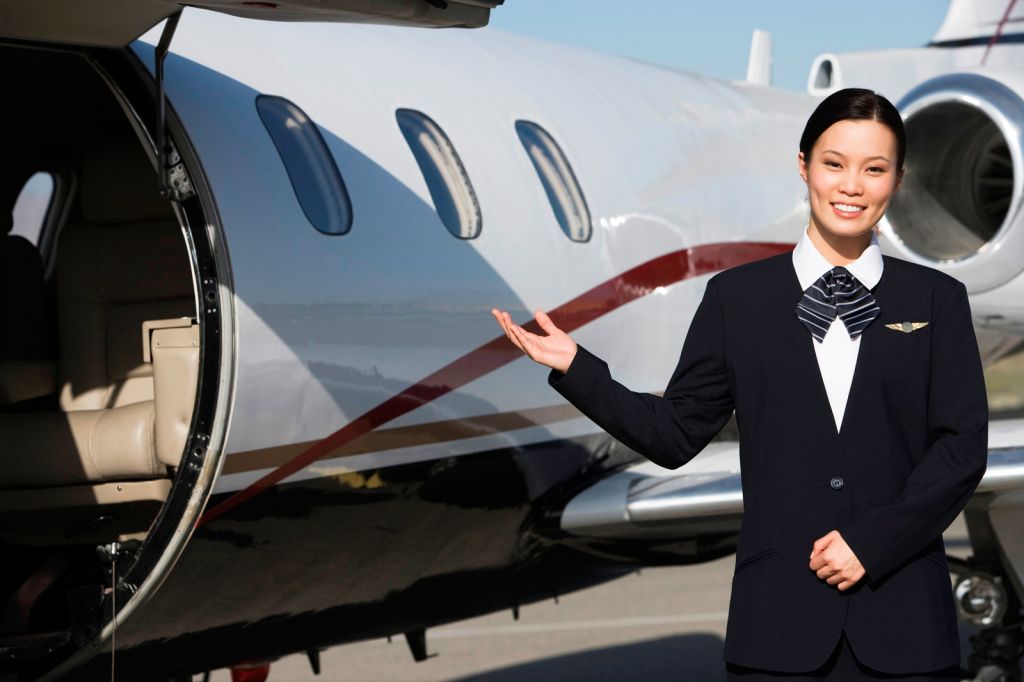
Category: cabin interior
[99,349]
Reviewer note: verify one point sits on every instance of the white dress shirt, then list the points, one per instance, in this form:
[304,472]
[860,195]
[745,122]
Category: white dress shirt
[837,352]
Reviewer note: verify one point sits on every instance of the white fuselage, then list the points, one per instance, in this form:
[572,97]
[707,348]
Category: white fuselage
[330,326]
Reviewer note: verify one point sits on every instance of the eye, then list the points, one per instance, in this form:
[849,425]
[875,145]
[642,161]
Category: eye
[832,163]
[876,168]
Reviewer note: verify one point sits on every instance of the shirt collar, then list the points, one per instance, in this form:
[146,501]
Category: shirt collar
[810,264]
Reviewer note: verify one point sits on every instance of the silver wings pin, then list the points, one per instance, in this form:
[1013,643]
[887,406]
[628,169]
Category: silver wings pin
[907,327]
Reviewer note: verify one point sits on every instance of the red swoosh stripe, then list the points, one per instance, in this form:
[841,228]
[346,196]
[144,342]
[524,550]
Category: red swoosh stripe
[600,300]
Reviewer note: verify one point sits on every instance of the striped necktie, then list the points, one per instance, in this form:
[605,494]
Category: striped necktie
[837,292]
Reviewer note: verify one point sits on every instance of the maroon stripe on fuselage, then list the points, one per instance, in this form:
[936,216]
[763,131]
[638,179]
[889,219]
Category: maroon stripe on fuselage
[600,300]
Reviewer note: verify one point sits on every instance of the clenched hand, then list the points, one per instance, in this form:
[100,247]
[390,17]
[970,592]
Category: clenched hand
[833,560]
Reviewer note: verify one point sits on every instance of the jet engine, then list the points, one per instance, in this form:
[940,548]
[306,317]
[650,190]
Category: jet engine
[959,208]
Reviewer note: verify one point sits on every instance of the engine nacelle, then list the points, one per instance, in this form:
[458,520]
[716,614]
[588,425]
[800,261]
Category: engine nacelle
[959,208]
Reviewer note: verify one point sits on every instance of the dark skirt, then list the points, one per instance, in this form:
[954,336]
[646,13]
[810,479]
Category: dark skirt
[841,666]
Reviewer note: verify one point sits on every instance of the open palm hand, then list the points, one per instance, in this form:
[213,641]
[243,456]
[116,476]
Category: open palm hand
[556,350]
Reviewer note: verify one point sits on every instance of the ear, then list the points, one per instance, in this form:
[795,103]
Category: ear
[801,164]
[899,178]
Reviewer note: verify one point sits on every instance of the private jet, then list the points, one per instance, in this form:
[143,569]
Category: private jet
[252,399]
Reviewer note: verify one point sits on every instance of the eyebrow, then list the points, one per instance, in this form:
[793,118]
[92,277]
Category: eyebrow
[844,156]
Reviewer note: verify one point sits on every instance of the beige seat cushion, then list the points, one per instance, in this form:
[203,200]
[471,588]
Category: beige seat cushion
[123,259]
[64,448]
[135,441]
[121,262]
[111,278]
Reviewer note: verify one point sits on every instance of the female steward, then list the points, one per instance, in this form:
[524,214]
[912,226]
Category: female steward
[858,392]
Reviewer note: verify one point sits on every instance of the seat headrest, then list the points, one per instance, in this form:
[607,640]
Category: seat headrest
[118,185]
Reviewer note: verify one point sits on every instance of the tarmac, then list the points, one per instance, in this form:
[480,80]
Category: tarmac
[659,624]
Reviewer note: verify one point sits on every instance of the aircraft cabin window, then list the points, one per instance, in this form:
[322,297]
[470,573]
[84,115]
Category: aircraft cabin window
[314,175]
[446,178]
[31,207]
[560,185]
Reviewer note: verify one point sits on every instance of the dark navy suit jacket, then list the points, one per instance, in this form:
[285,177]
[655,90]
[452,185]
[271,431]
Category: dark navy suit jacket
[911,450]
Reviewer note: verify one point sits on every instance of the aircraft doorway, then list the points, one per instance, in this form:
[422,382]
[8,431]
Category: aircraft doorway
[110,334]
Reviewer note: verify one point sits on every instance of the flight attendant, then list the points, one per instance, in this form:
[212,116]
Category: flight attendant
[860,401]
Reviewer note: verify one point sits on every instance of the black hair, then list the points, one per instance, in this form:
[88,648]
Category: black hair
[859,104]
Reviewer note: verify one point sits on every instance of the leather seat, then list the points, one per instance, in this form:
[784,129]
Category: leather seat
[122,262]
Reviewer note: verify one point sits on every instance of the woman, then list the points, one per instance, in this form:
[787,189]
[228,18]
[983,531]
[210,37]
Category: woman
[860,401]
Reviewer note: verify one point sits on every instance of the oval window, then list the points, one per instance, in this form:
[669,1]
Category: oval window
[446,178]
[318,186]
[560,185]
[31,207]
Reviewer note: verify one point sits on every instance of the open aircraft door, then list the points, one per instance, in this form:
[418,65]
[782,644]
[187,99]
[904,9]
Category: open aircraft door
[117,376]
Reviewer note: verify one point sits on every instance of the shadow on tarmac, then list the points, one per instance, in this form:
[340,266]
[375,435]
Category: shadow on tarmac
[695,656]
[679,657]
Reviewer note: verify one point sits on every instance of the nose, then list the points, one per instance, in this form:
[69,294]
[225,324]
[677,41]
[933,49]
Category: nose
[850,184]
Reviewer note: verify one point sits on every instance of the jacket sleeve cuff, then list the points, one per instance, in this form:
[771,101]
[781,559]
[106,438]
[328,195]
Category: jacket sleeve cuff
[574,384]
[874,570]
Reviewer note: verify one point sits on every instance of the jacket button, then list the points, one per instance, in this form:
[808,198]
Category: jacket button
[836,483]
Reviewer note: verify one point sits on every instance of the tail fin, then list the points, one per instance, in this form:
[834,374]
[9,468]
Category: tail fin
[974,22]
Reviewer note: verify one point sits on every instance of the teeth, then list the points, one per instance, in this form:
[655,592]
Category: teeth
[847,208]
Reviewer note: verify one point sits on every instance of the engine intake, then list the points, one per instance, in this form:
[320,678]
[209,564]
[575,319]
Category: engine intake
[959,206]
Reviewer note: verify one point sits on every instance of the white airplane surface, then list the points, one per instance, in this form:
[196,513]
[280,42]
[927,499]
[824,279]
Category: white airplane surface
[270,411]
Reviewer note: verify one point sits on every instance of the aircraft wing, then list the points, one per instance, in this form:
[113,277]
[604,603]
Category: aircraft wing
[115,23]
[647,500]
[647,510]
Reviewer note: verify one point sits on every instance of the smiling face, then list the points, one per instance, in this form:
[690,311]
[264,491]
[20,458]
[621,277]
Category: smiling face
[851,176]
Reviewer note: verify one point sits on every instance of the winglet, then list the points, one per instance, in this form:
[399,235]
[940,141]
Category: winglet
[759,64]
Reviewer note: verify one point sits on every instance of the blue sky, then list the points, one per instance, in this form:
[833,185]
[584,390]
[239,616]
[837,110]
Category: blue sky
[712,37]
